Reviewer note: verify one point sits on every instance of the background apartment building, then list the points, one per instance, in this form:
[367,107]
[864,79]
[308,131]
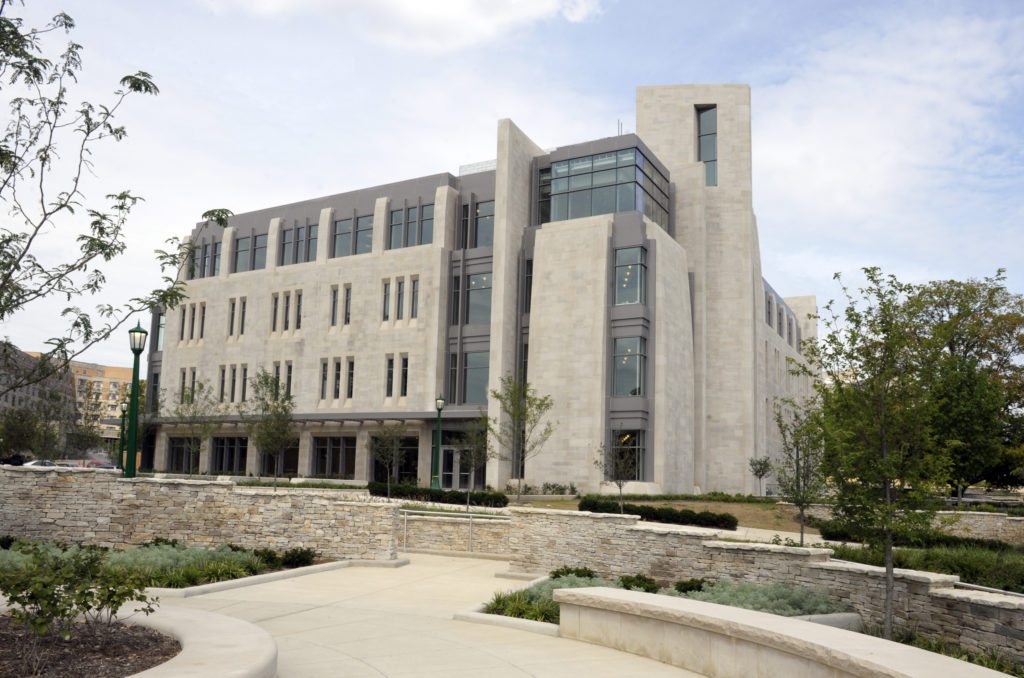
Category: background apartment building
[621,276]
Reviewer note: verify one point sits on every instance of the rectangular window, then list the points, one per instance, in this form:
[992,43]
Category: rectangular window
[273,312]
[191,321]
[414,298]
[323,380]
[789,330]
[202,320]
[707,143]
[395,230]
[204,265]
[245,380]
[411,226]
[364,234]
[181,387]
[385,315]
[348,304]
[478,302]
[351,383]
[298,309]
[241,255]
[780,314]
[215,264]
[241,317]
[342,237]
[231,317]
[768,308]
[337,378]
[277,378]
[334,457]
[629,364]
[300,245]
[161,325]
[286,255]
[483,225]
[475,373]
[181,325]
[234,374]
[399,299]
[528,286]
[389,380]
[311,240]
[629,444]
[334,306]
[404,391]
[223,376]
[288,379]
[287,311]
[427,225]
[229,456]
[630,276]
[259,252]
[192,384]
[456,311]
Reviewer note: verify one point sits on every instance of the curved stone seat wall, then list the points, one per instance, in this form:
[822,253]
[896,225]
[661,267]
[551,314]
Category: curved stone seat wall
[727,642]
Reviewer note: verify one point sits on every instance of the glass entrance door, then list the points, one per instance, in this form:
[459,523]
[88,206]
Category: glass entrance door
[455,471]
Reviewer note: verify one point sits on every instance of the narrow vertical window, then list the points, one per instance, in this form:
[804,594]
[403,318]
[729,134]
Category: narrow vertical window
[181,327]
[342,237]
[192,384]
[478,301]
[286,247]
[311,240]
[475,375]
[204,267]
[334,306]
[410,226]
[414,300]
[202,321]
[241,318]
[348,304]
[223,374]
[630,276]
[405,377]
[191,322]
[288,379]
[234,373]
[528,286]
[277,378]
[161,325]
[181,387]
[215,263]
[453,377]
[350,384]
[385,315]
[245,380]
[456,315]
[395,230]
[337,378]
[389,382]
[300,245]
[629,364]
[399,299]
[427,225]
[483,226]
[364,234]
[287,311]
[259,252]
[707,143]
[323,380]
[273,312]
[241,255]
[231,317]
[298,310]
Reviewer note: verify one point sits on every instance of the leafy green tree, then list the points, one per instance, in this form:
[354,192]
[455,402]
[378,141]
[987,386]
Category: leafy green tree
[761,467]
[521,430]
[387,448]
[46,150]
[22,431]
[799,470]
[195,412]
[474,450]
[876,363]
[267,416]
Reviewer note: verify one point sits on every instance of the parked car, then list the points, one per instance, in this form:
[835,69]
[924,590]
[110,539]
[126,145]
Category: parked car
[39,462]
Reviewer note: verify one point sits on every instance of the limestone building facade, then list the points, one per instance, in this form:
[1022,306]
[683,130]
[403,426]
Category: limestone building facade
[620,276]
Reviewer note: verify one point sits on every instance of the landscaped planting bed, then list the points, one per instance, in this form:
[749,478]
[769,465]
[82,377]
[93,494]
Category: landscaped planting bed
[661,514]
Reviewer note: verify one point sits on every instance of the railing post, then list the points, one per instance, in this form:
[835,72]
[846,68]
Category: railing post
[470,532]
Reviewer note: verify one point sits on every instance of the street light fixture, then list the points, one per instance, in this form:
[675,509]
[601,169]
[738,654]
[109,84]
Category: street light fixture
[435,459]
[137,342]
[120,440]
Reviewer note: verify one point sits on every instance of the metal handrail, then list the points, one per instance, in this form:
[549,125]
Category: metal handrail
[462,516]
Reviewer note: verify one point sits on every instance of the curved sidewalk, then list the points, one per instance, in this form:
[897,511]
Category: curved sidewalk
[368,621]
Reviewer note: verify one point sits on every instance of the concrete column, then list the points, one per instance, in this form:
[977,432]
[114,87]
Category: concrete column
[273,242]
[446,216]
[380,224]
[305,452]
[205,455]
[227,252]
[426,447]
[324,241]
[364,461]
[160,452]
[252,459]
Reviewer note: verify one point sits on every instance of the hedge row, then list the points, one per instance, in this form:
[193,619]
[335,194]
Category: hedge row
[494,499]
[662,514]
[834,530]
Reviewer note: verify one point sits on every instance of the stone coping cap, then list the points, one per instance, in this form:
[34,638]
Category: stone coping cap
[1004,601]
[574,514]
[847,652]
[668,528]
[58,469]
[767,548]
[879,571]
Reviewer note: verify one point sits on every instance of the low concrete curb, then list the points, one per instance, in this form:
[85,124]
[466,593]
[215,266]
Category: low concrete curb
[523,576]
[461,554]
[478,617]
[203,589]
[211,645]
[849,621]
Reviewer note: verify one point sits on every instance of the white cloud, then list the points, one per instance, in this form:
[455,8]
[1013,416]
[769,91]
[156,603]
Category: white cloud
[424,25]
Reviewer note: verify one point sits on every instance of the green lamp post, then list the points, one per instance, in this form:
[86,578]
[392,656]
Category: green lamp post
[120,440]
[137,341]
[435,459]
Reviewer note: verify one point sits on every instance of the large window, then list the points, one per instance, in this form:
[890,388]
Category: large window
[259,250]
[707,143]
[229,456]
[396,229]
[342,237]
[426,224]
[179,455]
[483,224]
[629,444]
[629,364]
[478,302]
[475,373]
[617,181]
[285,463]
[630,276]
[241,255]
[215,260]
[334,457]
[364,234]
[406,472]
[298,245]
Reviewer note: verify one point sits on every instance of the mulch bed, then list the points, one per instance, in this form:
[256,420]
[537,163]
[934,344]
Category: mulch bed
[96,651]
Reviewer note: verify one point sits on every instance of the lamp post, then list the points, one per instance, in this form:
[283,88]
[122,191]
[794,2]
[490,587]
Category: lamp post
[435,459]
[120,440]
[137,341]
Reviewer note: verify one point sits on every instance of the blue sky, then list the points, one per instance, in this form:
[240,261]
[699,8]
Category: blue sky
[884,133]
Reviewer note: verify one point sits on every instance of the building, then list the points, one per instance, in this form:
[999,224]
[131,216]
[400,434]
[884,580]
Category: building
[622,276]
[99,392]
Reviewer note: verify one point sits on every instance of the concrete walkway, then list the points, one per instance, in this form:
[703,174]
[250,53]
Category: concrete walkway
[367,621]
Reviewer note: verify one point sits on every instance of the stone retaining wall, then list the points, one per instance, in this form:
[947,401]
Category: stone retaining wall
[486,535]
[541,540]
[979,524]
[100,507]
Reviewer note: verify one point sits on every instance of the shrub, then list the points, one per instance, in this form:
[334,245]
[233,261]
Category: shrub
[565,570]
[537,602]
[401,491]
[177,566]
[161,541]
[687,585]
[269,557]
[662,514]
[6,541]
[780,599]
[834,530]
[298,557]
[637,582]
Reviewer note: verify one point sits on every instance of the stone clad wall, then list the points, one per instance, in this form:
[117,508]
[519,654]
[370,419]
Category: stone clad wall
[96,507]
[487,535]
[541,540]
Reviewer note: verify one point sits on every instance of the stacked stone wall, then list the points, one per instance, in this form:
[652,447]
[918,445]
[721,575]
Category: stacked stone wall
[978,524]
[98,507]
[454,534]
[541,540]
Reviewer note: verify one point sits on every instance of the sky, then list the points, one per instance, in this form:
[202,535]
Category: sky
[884,134]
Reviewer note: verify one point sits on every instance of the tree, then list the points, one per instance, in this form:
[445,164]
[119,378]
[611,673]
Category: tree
[45,152]
[799,471]
[474,450]
[761,467]
[618,465]
[22,431]
[876,363]
[388,449]
[195,412]
[521,431]
[267,415]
